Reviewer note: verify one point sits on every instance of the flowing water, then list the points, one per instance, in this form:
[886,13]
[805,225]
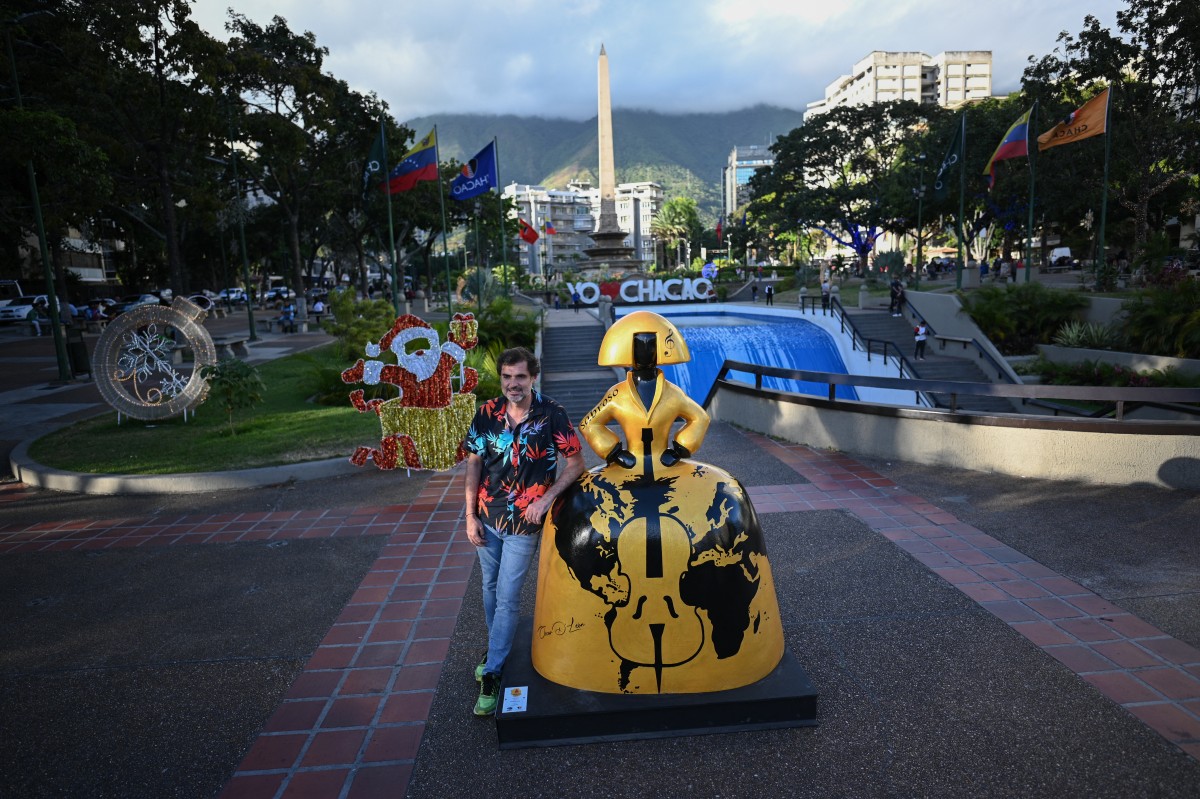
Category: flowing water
[794,344]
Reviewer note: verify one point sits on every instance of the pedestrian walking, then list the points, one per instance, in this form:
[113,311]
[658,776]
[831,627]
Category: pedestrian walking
[770,292]
[754,293]
[920,333]
[575,299]
[895,296]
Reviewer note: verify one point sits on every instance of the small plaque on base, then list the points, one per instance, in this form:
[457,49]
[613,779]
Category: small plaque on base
[543,713]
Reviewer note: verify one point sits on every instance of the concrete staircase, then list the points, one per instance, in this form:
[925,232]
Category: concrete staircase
[882,326]
[569,371]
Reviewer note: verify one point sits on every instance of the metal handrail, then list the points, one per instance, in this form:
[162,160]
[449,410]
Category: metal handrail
[857,340]
[1119,396]
[974,342]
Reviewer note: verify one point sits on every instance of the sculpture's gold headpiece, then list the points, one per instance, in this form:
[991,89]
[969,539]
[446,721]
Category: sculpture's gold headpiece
[617,347]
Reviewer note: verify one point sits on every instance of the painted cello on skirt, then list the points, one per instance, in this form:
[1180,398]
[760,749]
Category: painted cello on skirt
[653,575]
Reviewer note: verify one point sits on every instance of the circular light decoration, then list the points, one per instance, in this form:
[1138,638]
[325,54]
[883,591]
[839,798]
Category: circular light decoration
[133,361]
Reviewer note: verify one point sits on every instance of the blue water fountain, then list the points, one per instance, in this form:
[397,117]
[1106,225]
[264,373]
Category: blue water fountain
[793,344]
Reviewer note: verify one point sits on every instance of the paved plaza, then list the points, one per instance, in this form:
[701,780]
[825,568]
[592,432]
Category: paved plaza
[970,635]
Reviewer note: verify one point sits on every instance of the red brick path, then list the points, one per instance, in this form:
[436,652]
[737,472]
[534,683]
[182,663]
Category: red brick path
[351,723]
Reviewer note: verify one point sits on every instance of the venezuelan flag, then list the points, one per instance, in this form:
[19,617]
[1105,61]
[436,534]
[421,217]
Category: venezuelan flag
[1014,145]
[419,163]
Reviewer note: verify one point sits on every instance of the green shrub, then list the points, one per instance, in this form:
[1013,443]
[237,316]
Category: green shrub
[355,322]
[890,264]
[1088,335]
[501,322]
[233,384]
[1018,317]
[1100,373]
[1165,320]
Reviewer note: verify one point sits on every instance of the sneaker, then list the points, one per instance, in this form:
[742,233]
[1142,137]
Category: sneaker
[479,668]
[489,695]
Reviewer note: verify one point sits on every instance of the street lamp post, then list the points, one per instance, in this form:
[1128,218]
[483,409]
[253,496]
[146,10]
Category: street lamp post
[919,193]
[233,160]
[60,344]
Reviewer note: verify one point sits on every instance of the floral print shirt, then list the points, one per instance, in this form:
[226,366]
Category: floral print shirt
[519,463]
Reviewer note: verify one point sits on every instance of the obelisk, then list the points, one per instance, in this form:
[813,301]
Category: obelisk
[610,249]
[608,172]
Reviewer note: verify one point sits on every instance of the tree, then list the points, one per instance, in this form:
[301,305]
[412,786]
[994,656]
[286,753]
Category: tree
[676,224]
[838,173]
[287,112]
[149,70]
[1154,116]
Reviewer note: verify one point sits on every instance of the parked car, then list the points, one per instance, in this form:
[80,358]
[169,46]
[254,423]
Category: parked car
[203,300]
[278,293]
[18,308]
[131,301]
[235,294]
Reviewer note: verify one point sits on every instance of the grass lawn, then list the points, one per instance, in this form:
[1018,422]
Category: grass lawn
[285,428]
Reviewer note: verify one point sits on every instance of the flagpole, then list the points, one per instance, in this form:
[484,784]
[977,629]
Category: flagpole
[962,183]
[437,160]
[1104,191]
[503,236]
[1032,174]
[391,224]
[478,261]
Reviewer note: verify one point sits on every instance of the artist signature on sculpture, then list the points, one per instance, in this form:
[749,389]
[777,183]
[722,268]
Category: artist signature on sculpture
[558,628]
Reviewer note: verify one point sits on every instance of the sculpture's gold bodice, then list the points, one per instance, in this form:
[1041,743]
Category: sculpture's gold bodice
[622,404]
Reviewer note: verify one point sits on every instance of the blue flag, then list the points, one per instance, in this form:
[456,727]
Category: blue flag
[478,175]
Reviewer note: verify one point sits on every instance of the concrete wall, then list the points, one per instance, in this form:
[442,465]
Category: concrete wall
[948,318]
[1132,360]
[1102,310]
[1035,449]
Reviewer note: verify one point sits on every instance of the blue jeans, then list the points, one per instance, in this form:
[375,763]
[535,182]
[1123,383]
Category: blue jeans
[504,560]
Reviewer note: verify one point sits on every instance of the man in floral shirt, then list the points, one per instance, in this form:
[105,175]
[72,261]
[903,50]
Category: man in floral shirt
[513,476]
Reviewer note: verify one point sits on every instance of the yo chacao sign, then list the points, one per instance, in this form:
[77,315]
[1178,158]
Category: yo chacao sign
[672,290]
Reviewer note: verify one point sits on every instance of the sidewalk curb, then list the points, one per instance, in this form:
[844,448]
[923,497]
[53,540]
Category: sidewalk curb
[28,471]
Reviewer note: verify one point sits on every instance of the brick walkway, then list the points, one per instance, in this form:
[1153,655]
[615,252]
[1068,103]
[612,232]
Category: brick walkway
[1152,675]
[351,724]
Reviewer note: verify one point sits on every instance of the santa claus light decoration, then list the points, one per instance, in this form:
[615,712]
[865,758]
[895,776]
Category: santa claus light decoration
[424,425]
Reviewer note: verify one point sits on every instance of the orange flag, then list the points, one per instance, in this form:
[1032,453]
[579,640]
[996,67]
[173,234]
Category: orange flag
[1090,120]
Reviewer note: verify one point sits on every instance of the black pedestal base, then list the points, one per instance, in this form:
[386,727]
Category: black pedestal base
[555,715]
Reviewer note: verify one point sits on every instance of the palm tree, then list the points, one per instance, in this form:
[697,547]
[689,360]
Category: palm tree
[676,223]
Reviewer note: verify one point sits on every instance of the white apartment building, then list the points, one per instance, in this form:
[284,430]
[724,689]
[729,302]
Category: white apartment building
[574,213]
[947,79]
[568,213]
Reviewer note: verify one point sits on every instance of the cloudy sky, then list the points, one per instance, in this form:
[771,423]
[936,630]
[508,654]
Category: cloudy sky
[539,58]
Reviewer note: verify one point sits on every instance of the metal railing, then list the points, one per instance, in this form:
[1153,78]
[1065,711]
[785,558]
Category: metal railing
[1119,397]
[857,340]
[983,354]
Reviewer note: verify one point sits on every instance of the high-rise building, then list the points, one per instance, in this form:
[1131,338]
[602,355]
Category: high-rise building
[948,79]
[735,177]
[567,212]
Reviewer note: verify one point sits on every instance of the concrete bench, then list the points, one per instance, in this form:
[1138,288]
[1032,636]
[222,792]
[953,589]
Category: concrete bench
[231,347]
[965,342]
[269,324]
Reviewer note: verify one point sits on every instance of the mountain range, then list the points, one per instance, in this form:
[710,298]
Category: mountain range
[683,152]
